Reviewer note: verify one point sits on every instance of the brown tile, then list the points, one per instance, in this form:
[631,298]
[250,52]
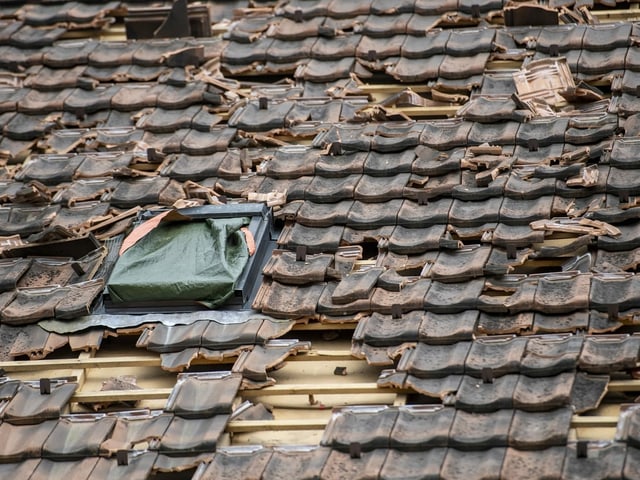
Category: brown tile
[29,405]
[499,354]
[71,470]
[370,427]
[19,469]
[355,286]
[32,305]
[543,131]
[131,431]
[341,465]
[138,466]
[478,431]
[543,393]
[332,189]
[401,465]
[413,214]
[452,298]
[561,323]
[588,391]
[303,463]
[481,465]
[192,435]
[166,464]
[443,328]
[416,69]
[538,430]
[562,293]
[372,215]
[460,265]
[602,460]
[445,134]
[466,214]
[164,338]
[411,297]
[435,361]
[203,395]
[285,268]
[317,240]
[419,427]
[463,67]
[283,301]
[236,463]
[254,364]
[384,330]
[476,395]
[609,353]
[528,188]
[549,355]
[221,335]
[379,189]
[326,71]
[418,240]
[77,436]
[527,464]
[438,388]
[24,441]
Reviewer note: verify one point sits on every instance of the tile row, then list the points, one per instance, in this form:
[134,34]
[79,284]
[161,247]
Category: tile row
[407,195]
[447,134]
[199,395]
[553,293]
[423,427]
[32,103]
[580,391]
[378,336]
[96,54]
[400,240]
[251,354]
[91,435]
[304,10]
[613,460]
[532,356]
[409,48]
[80,14]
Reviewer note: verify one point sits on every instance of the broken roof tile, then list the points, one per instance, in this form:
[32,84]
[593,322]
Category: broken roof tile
[367,465]
[236,462]
[548,355]
[600,459]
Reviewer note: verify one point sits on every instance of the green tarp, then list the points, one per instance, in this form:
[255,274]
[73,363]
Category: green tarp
[196,260]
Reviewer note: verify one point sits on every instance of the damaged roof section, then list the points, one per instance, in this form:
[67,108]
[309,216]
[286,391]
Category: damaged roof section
[487,261]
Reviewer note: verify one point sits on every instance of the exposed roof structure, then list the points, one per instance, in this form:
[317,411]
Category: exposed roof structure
[429,211]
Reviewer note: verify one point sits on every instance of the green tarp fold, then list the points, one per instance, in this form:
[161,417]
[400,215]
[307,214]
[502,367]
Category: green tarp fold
[197,260]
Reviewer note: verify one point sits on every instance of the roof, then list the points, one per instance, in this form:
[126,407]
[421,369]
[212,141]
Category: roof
[442,200]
